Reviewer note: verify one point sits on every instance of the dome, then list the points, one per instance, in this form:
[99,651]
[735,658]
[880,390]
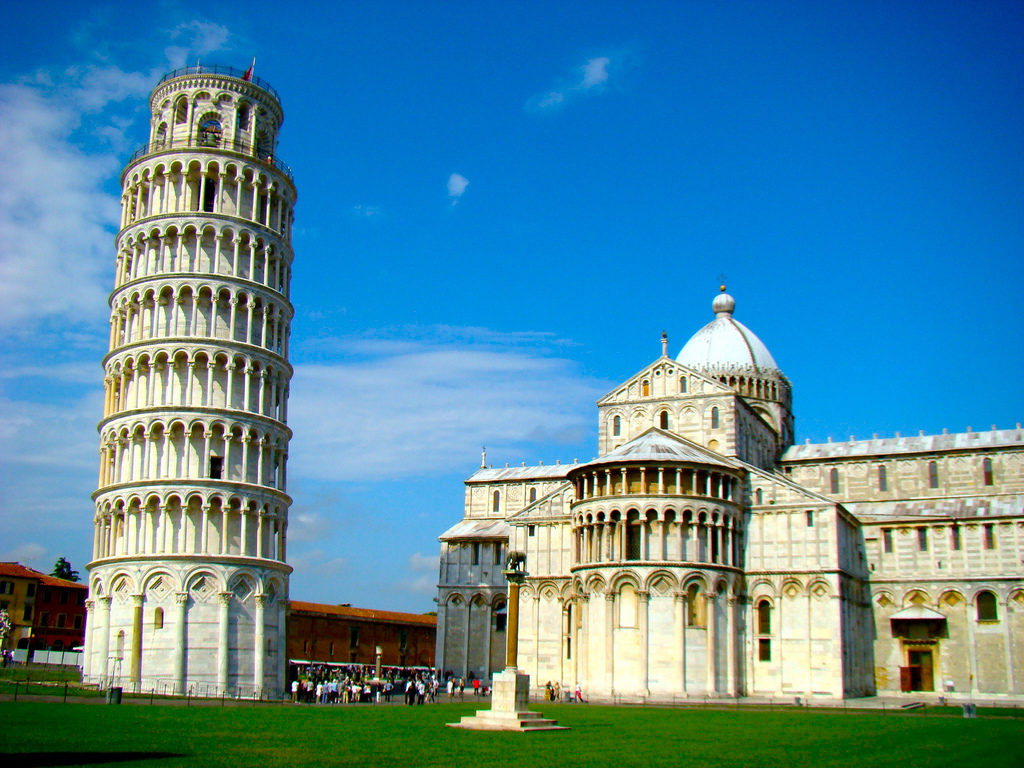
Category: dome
[725,342]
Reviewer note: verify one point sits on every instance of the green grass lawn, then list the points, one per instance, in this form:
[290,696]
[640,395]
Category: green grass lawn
[295,736]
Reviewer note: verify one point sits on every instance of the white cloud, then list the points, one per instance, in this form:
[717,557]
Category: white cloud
[57,221]
[195,39]
[316,561]
[595,72]
[457,184]
[419,562]
[63,135]
[419,407]
[423,578]
[367,211]
[29,553]
[591,77]
[308,526]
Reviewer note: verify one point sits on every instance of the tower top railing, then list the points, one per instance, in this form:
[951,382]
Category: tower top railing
[216,70]
[239,147]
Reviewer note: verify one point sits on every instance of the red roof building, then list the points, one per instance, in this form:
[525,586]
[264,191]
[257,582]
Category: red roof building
[341,634]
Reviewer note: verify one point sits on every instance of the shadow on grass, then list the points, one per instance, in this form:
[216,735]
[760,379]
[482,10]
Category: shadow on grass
[39,759]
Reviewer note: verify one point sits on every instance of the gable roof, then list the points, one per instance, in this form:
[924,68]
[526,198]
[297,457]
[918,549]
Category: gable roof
[476,529]
[534,472]
[657,445]
[621,393]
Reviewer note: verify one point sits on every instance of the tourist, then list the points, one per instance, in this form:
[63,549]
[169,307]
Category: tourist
[295,691]
[451,687]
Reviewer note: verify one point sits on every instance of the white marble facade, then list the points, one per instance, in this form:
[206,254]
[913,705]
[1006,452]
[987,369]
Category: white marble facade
[188,582]
[703,554]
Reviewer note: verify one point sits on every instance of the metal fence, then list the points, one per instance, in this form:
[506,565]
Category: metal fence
[228,71]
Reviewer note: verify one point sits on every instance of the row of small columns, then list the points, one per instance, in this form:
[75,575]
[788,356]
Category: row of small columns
[99,633]
[107,542]
[171,258]
[614,481]
[134,200]
[112,468]
[126,326]
[116,388]
[604,542]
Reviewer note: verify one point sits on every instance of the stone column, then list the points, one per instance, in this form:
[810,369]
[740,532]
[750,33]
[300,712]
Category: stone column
[487,653]
[103,647]
[730,638]
[515,581]
[679,602]
[259,643]
[712,661]
[222,641]
[90,621]
[645,646]
[135,665]
[609,642]
[181,603]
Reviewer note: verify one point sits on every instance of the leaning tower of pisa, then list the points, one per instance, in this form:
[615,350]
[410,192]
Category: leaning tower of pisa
[188,584]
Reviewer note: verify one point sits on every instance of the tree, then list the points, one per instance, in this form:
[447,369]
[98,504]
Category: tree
[62,570]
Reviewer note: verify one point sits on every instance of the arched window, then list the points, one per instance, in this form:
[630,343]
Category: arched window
[759,496]
[714,417]
[209,195]
[834,480]
[210,132]
[243,117]
[181,111]
[764,617]
[645,388]
[883,480]
[627,601]
[933,475]
[986,471]
[158,618]
[986,606]
[617,426]
[161,135]
[682,384]
[496,501]
[694,606]
[663,420]
[632,531]
[533,495]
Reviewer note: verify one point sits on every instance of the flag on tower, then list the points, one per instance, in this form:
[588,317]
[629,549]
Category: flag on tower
[248,72]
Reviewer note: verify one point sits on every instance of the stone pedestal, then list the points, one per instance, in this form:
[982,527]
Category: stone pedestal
[509,701]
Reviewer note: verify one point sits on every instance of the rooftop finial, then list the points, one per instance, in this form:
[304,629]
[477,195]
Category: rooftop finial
[724,304]
[483,457]
[664,344]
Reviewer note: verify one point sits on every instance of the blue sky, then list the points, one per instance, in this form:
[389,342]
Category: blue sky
[501,208]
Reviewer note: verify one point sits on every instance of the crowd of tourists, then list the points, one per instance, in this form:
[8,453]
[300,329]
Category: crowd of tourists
[355,684]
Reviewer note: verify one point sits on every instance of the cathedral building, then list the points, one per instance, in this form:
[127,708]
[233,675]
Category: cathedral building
[188,585]
[702,553]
